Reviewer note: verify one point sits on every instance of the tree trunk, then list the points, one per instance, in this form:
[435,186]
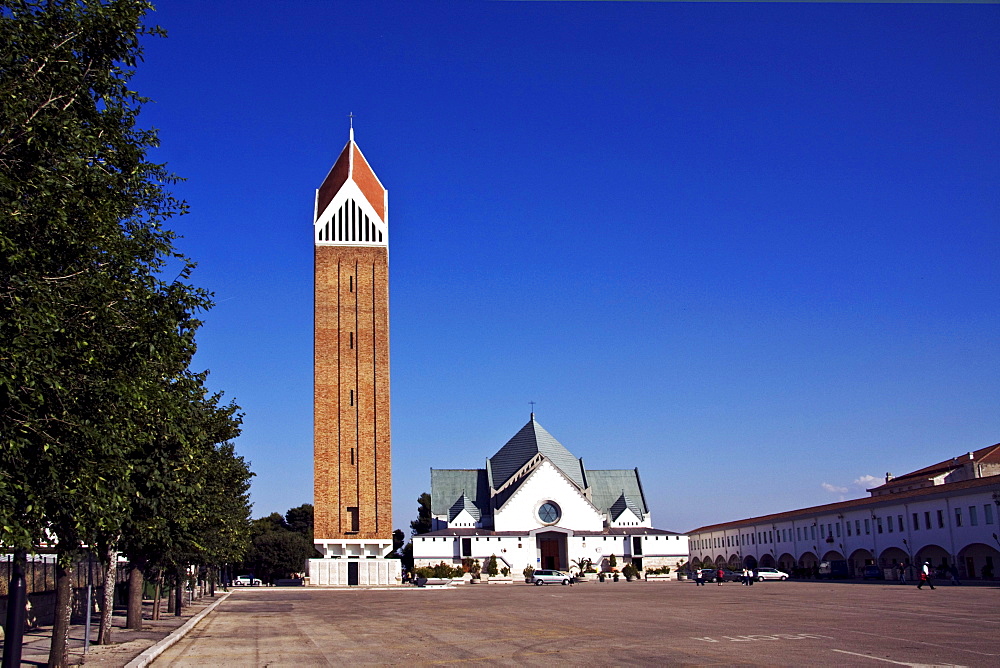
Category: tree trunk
[179,593]
[133,614]
[17,596]
[109,566]
[58,650]
[157,590]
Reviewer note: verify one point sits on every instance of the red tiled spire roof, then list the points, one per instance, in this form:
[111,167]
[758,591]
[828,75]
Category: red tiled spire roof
[351,164]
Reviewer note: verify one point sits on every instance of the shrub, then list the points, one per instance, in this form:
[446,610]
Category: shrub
[444,570]
[528,571]
[491,566]
[505,571]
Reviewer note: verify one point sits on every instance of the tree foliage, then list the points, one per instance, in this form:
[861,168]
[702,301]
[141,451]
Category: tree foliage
[101,419]
[281,544]
[423,522]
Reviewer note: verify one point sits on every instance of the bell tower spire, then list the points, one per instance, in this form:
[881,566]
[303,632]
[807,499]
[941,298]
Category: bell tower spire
[351,426]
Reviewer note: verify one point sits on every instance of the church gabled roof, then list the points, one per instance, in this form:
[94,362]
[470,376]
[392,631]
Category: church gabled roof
[463,503]
[606,486]
[622,503]
[532,440]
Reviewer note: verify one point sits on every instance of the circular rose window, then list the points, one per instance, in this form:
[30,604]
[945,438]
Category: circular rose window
[549,513]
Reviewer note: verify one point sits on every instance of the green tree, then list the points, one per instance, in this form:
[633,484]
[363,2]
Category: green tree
[89,327]
[423,522]
[300,520]
[191,502]
[278,554]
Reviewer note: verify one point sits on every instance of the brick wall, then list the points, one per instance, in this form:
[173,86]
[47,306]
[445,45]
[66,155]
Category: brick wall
[351,385]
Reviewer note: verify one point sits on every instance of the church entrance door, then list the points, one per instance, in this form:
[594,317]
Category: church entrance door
[552,550]
[352,573]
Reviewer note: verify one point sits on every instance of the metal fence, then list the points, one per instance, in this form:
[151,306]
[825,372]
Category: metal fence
[40,573]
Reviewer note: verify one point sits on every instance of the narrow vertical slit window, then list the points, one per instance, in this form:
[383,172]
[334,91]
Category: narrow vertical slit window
[352,397]
[352,515]
[351,335]
[352,456]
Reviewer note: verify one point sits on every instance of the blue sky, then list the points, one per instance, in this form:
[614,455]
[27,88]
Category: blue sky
[751,249]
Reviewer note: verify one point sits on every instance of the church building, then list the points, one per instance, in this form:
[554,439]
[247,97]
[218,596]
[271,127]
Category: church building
[536,504]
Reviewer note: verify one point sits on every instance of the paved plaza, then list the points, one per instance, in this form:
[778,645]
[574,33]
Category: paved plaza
[644,623]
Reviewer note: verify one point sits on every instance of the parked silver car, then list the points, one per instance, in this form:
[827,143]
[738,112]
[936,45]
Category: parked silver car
[550,577]
[770,574]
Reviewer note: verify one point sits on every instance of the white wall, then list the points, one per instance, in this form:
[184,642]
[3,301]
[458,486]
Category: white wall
[543,484]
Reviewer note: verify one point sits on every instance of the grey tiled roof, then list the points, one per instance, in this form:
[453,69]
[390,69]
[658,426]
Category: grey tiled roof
[530,441]
[448,485]
[623,502]
[606,486]
[463,503]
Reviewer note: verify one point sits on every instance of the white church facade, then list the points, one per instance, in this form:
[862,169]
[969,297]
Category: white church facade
[536,504]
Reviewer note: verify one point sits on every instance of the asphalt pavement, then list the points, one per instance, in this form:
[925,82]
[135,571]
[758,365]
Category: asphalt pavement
[639,623]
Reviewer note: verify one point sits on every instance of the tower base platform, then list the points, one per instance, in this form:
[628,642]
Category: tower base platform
[355,572]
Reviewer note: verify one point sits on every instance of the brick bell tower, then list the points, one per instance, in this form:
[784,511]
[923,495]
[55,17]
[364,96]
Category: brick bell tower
[351,440]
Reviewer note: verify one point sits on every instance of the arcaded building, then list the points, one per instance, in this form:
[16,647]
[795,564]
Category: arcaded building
[946,513]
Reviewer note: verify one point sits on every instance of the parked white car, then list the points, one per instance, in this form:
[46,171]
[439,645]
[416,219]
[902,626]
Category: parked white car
[550,577]
[247,581]
[770,574]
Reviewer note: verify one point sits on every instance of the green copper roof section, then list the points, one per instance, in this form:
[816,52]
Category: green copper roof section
[607,486]
[530,441]
[624,501]
[449,485]
[464,503]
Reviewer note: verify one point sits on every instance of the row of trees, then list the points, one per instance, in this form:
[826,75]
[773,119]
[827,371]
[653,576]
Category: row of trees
[107,438]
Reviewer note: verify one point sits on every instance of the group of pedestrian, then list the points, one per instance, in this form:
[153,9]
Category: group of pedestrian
[749,575]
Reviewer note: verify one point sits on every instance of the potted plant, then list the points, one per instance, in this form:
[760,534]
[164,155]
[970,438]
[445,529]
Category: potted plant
[630,572]
[583,566]
[528,571]
[491,567]
[475,570]
[600,576]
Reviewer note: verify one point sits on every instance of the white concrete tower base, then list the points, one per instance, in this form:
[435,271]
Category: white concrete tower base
[370,573]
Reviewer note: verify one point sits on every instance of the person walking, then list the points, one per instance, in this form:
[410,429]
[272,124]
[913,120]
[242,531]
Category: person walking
[753,576]
[746,577]
[902,573]
[720,575]
[925,576]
